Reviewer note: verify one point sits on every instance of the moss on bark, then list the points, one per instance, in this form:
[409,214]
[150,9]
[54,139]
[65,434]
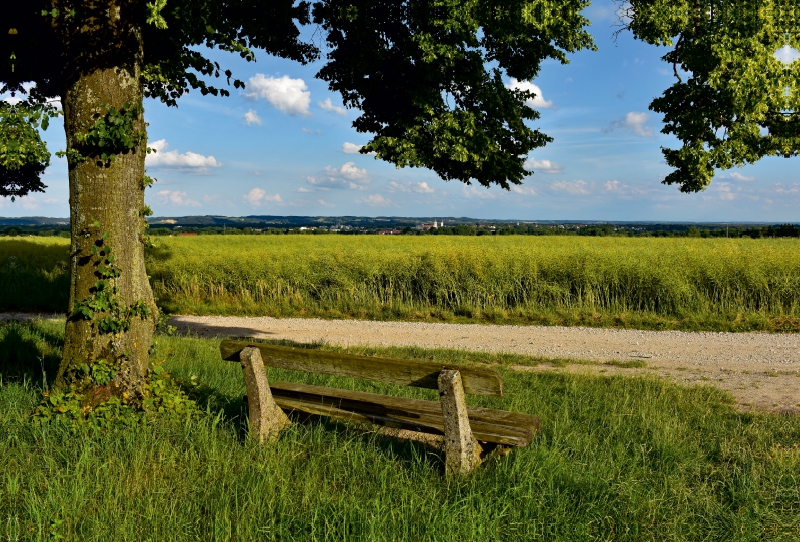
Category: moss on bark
[107,200]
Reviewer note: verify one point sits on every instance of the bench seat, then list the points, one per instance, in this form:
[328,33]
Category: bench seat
[471,434]
[488,425]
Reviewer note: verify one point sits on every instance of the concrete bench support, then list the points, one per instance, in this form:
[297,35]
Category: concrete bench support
[462,451]
[266,418]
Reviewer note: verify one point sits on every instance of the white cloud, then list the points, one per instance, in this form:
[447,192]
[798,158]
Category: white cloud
[290,96]
[419,188]
[348,171]
[52,201]
[325,204]
[29,202]
[303,190]
[544,166]
[596,12]
[251,117]
[626,191]
[793,189]
[210,198]
[739,177]
[725,192]
[173,159]
[352,148]
[346,176]
[523,190]
[576,188]
[633,121]
[538,102]
[376,200]
[474,191]
[328,106]
[786,54]
[174,197]
[257,196]
[312,132]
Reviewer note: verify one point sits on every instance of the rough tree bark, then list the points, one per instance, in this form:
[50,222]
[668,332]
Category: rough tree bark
[111,194]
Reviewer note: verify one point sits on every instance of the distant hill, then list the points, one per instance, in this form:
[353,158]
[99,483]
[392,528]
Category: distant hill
[365,222]
[34,221]
[297,221]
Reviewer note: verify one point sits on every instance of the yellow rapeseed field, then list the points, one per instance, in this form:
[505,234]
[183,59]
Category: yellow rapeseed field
[640,282]
[509,278]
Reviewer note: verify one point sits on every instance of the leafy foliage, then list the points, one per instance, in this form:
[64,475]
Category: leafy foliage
[23,154]
[103,306]
[427,75]
[739,103]
[418,72]
[112,133]
[163,397]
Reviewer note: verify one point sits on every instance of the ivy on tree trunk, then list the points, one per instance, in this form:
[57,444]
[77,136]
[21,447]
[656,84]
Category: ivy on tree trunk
[112,313]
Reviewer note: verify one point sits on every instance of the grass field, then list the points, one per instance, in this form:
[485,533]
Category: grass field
[618,458]
[694,284]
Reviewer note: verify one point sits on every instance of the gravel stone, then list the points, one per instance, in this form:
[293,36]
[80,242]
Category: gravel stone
[761,370]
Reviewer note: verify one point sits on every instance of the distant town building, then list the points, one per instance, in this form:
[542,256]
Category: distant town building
[427,226]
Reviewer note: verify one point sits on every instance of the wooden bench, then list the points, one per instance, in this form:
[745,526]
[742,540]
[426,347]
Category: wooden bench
[469,432]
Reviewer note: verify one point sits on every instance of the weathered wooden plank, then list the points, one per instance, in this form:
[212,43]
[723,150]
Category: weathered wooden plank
[488,425]
[422,374]
[462,451]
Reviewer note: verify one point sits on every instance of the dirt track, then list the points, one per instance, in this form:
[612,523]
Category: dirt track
[762,370]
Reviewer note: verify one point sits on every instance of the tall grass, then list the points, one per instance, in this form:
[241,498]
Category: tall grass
[617,459]
[720,284]
[494,279]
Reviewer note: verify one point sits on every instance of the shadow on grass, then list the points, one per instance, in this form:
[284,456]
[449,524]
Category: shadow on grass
[35,276]
[404,450]
[29,351]
[233,411]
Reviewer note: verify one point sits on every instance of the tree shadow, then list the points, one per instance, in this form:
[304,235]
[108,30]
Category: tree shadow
[154,256]
[406,447]
[23,354]
[35,276]
[209,330]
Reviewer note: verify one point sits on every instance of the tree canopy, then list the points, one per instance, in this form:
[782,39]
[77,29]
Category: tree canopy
[426,75]
[734,102]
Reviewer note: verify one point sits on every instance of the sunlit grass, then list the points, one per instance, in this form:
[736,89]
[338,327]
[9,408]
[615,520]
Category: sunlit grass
[617,459]
[692,284]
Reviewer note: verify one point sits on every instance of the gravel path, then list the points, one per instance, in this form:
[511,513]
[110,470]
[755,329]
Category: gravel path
[762,370]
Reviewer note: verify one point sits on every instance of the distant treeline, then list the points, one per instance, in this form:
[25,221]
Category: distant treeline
[590,230]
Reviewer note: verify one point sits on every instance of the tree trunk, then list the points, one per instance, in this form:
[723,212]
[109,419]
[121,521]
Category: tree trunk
[106,201]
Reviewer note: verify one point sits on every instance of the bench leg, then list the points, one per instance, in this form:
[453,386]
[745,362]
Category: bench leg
[266,418]
[462,451]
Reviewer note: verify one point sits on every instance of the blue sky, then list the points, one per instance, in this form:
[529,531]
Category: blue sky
[281,148]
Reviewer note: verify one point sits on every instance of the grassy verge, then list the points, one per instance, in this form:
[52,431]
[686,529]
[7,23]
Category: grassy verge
[618,458]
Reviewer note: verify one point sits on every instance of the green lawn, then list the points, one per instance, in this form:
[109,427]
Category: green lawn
[617,459]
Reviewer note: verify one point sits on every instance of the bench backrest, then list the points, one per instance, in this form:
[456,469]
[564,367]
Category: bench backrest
[422,374]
